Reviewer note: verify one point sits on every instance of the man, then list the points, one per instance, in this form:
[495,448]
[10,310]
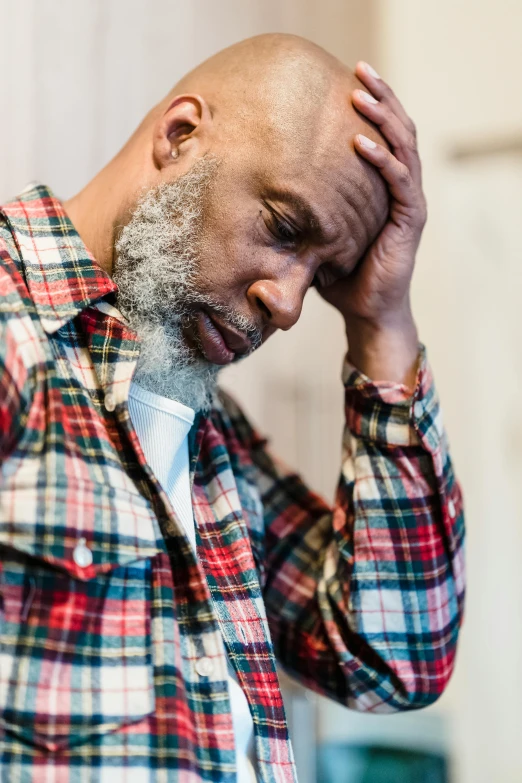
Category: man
[156,559]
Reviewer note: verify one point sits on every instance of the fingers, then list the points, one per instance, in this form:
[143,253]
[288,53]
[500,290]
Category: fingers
[402,168]
[380,90]
[393,129]
[403,187]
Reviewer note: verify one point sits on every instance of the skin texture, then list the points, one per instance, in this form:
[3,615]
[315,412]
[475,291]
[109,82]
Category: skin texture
[298,199]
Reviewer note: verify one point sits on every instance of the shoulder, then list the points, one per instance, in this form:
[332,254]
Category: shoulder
[20,342]
[12,286]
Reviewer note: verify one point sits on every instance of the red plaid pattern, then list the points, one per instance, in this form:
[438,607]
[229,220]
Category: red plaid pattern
[106,612]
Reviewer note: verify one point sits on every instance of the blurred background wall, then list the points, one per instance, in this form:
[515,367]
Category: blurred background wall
[78,76]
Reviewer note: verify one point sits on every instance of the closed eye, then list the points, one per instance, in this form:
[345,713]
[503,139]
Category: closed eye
[326,276]
[284,230]
[281,229]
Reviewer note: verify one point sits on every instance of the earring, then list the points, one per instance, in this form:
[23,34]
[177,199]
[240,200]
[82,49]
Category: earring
[175,153]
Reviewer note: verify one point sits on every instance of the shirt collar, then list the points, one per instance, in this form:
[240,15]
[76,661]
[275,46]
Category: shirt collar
[62,276]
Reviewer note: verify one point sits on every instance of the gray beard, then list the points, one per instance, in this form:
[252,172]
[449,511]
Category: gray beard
[156,267]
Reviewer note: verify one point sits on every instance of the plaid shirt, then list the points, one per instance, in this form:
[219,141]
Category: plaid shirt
[113,636]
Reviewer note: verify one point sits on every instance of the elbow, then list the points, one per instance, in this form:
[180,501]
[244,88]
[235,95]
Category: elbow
[424,686]
[413,676]
[407,687]
[419,676]
[421,679]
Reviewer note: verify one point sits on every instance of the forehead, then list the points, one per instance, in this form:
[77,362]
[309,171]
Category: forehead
[321,167]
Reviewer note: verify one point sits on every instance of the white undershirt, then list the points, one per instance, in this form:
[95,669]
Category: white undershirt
[162,426]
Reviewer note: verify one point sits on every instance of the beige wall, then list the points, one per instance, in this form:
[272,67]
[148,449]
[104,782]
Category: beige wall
[457,67]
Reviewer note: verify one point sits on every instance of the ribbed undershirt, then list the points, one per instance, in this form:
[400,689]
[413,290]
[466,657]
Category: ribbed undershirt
[162,426]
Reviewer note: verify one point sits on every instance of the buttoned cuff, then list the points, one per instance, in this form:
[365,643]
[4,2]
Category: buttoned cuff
[389,413]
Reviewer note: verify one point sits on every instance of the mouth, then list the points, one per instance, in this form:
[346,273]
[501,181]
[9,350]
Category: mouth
[220,343]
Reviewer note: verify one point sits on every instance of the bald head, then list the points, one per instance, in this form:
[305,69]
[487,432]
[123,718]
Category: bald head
[277,88]
[275,108]
[276,112]
[272,57]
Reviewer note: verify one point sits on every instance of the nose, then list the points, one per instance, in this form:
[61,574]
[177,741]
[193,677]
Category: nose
[280,303]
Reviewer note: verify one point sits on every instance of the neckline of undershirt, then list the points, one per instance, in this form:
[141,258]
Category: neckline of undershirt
[157,402]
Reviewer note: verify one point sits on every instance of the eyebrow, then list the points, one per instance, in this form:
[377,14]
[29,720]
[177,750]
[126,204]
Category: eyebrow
[310,219]
[303,209]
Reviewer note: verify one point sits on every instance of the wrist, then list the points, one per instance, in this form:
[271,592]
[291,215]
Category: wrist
[385,349]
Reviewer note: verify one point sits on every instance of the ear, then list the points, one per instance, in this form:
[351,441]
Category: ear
[183,132]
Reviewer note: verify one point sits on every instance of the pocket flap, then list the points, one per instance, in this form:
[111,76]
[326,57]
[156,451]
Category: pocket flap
[82,529]
[75,655]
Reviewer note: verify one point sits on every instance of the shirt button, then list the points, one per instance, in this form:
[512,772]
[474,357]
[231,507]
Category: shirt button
[110,402]
[418,409]
[82,555]
[204,667]
[451,509]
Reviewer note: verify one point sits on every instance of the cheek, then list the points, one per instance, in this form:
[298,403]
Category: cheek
[231,259]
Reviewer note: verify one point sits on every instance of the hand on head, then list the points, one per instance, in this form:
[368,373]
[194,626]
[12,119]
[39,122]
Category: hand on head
[294,199]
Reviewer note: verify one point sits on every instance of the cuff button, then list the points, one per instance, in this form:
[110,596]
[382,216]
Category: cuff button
[418,410]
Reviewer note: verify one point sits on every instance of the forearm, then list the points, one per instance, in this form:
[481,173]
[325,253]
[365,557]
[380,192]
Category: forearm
[407,582]
[365,604]
[385,349]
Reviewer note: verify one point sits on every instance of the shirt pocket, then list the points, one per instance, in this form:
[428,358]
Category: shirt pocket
[75,648]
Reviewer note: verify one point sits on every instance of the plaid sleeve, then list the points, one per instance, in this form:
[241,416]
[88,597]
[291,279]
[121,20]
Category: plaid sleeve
[365,601]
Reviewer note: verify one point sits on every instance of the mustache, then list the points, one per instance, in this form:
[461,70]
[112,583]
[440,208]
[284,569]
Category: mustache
[236,321]
[242,324]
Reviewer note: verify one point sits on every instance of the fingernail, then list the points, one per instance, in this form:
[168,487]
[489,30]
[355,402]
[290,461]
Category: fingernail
[366,142]
[367,97]
[368,68]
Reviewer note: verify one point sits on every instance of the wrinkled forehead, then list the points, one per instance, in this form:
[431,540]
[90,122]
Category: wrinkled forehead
[343,178]
[316,157]
[302,140]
